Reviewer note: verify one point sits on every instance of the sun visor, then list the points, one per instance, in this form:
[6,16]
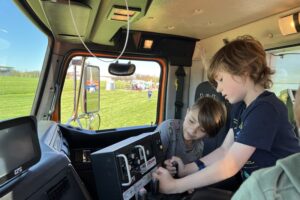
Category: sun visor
[58,16]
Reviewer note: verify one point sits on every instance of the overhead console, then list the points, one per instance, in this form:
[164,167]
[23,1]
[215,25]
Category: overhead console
[123,169]
[179,50]
[108,15]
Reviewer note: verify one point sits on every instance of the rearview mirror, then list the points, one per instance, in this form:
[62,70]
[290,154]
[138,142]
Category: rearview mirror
[91,89]
[121,69]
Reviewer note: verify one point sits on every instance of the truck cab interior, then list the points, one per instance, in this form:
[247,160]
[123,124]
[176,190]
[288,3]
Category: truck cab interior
[85,90]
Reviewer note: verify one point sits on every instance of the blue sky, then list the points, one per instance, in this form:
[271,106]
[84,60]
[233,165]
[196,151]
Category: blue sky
[22,44]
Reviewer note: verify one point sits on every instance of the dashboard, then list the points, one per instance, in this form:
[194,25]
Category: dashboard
[52,177]
[117,168]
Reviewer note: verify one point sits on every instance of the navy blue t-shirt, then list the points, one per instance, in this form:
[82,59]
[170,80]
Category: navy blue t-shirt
[264,125]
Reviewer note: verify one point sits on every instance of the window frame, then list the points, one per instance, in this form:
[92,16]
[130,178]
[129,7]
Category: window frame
[160,112]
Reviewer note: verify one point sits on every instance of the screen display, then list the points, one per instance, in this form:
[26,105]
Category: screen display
[19,147]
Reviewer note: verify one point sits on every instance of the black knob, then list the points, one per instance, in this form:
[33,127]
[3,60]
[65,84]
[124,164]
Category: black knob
[142,194]
[137,162]
[154,186]
[175,164]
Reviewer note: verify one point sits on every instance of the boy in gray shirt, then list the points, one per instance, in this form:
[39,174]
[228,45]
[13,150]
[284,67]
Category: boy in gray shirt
[184,138]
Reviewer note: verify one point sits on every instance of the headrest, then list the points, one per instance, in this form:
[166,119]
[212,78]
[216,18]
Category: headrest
[205,89]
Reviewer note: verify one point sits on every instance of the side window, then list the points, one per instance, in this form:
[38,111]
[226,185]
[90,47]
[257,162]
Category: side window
[22,52]
[286,79]
[286,65]
[124,101]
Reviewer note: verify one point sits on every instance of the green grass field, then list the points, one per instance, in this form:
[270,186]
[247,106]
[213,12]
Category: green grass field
[118,108]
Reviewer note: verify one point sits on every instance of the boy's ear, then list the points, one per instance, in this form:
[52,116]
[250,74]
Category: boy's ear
[246,75]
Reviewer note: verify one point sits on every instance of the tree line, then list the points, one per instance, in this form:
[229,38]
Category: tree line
[29,74]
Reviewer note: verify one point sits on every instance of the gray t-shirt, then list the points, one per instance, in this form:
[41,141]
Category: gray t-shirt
[171,133]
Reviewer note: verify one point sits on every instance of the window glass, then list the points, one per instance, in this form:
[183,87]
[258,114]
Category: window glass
[287,70]
[22,51]
[124,100]
[286,80]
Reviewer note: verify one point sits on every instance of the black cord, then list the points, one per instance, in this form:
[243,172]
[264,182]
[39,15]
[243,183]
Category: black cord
[283,54]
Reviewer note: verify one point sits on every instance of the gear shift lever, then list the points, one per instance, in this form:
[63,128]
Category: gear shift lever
[175,164]
[142,194]
[154,186]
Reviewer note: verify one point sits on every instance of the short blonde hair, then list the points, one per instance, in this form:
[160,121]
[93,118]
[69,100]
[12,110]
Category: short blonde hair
[297,108]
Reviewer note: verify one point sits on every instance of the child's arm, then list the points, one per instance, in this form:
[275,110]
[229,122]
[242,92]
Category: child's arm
[211,158]
[221,151]
[220,170]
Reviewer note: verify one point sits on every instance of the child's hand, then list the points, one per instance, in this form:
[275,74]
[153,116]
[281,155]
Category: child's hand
[180,165]
[170,167]
[167,184]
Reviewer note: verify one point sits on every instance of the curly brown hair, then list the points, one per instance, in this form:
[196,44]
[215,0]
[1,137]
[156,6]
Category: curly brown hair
[211,114]
[242,56]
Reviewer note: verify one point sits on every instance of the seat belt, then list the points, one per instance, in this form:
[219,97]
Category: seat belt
[180,74]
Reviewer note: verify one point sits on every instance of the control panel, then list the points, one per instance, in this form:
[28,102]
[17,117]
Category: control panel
[123,169]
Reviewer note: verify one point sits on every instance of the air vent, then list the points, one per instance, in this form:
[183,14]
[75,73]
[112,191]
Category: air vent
[120,13]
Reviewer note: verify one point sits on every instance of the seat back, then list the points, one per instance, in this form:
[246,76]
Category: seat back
[205,89]
[289,102]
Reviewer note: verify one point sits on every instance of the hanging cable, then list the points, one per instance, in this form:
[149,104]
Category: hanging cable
[86,47]
[77,32]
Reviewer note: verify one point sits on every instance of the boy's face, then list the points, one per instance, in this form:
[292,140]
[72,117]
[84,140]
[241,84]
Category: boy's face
[191,127]
[232,87]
